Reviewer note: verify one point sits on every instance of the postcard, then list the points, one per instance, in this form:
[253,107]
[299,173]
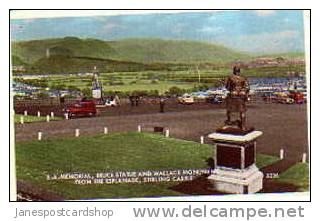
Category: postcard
[112,105]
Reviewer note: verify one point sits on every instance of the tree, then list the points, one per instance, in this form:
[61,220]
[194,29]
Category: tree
[73,88]
[153,93]
[175,91]
[201,87]
[87,92]
[43,95]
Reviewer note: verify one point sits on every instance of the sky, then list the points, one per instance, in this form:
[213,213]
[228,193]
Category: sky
[259,31]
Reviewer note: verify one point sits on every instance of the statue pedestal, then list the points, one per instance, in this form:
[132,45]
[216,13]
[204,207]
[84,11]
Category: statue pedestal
[235,169]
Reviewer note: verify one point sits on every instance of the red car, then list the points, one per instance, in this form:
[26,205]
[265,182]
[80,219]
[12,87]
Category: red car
[298,97]
[83,108]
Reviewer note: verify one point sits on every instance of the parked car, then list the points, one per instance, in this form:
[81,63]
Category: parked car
[186,99]
[298,97]
[110,103]
[83,108]
[214,99]
[285,100]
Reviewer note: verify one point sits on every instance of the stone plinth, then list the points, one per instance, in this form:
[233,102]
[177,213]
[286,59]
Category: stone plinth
[235,157]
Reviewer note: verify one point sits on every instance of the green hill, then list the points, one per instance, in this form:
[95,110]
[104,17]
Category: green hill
[17,60]
[31,51]
[134,50]
[173,51]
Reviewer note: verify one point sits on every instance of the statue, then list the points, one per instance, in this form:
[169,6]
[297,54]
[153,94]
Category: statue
[235,144]
[238,88]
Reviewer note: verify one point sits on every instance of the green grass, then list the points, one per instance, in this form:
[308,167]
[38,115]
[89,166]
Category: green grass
[126,79]
[297,175]
[264,160]
[162,86]
[130,151]
[30,118]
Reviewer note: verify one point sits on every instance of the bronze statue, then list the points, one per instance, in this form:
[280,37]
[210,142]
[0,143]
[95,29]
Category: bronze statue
[238,88]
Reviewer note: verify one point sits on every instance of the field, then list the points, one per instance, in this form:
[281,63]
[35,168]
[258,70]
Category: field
[160,81]
[130,151]
[124,82]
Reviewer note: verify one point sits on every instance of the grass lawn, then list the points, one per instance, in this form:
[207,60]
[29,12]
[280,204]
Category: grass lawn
[30,118]
[129,83]
[264,160]
[130,151]
[297,175]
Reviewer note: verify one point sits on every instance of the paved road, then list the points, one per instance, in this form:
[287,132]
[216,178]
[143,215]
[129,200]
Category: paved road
[284,126]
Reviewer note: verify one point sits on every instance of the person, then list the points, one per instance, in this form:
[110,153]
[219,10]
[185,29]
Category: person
[117,100]
[237,97]
[136,99]
[162,103]
[131,100]
[62,100]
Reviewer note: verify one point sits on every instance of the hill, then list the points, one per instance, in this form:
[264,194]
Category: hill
[133,50]
[17,61]
[31,51]
[173,51]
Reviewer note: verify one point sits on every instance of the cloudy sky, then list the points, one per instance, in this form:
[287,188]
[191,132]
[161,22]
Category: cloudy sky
[265,31]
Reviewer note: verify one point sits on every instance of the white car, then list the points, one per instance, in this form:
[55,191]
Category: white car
[110,103]
[186,99]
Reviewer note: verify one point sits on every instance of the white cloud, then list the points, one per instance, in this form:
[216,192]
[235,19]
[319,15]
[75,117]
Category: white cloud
[110,25]
[212,18]
[287,20]
[265,12]
[178,28]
